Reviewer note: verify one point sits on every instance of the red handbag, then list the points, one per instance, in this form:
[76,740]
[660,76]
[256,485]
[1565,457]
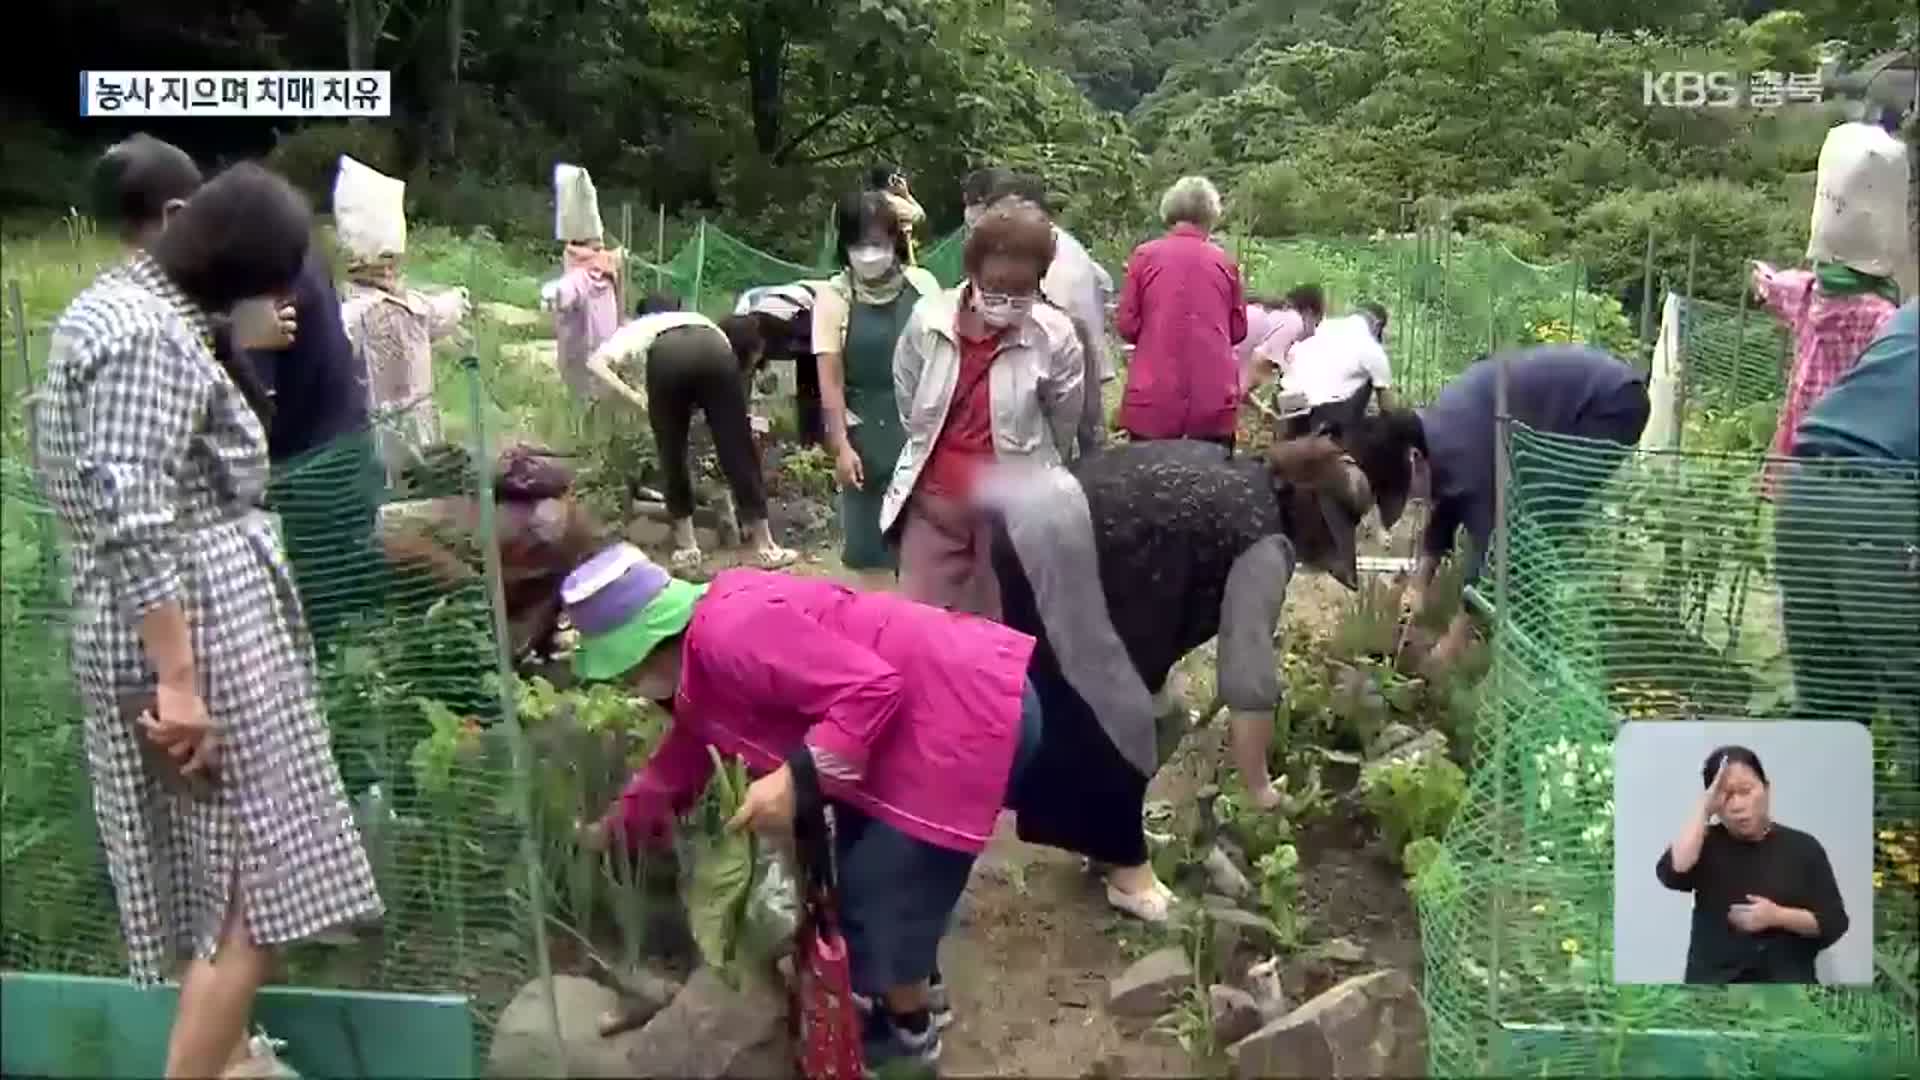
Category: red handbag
[825,1020]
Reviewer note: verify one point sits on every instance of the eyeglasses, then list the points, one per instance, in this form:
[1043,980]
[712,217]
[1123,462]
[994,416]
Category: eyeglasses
[1000,299]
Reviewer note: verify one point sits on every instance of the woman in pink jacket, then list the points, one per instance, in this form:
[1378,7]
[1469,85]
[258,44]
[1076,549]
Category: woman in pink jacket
[1184,311]
[911,717]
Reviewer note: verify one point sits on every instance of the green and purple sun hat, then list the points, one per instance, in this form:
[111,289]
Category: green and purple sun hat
[623,605]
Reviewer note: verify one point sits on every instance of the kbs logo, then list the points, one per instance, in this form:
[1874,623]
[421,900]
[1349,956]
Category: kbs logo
[1690,89]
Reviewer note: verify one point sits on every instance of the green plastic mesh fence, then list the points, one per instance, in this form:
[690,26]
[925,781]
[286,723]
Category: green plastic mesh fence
[407,675]
[1448,300]
[711,270]
[945,259]
[1647,586]
[1733,357]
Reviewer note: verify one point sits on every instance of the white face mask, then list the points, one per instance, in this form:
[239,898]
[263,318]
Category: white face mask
[870,262]
[999,310]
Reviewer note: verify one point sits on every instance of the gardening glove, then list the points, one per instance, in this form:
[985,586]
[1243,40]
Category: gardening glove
[549,295]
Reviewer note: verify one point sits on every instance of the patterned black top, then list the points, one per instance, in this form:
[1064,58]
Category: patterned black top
[1169,519]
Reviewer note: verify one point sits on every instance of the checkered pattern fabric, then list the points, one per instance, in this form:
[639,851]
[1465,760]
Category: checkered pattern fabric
[156,467]
[1829,334]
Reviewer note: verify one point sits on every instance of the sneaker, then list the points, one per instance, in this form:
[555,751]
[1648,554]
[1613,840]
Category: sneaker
[888,1044]
[938,1003]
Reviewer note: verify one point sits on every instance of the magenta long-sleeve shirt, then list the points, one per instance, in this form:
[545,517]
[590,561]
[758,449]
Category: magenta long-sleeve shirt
[912,713]
[1183,308]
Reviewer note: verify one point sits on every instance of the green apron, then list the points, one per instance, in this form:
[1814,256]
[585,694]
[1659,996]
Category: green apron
[872,331]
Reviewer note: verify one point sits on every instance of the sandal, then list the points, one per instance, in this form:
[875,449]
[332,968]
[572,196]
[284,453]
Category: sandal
[685,559]
[1152,905]
[775,558]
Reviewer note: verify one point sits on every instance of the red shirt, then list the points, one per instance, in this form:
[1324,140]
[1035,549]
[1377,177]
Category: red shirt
[1181,306]
[966,439]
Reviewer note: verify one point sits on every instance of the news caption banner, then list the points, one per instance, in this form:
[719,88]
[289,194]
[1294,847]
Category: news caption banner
[325,94]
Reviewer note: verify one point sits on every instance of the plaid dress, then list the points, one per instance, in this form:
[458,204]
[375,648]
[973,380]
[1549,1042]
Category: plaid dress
[157,466]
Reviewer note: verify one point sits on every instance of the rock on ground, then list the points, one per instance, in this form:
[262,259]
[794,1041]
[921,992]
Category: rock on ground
[1226,878]
[508,314]
[708,1032]
[1235,1014]
[532,354]
[1369,1025]
[1151,986]
[712,1031]
[523,1040]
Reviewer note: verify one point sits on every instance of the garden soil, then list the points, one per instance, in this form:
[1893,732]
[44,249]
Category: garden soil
[1035,943]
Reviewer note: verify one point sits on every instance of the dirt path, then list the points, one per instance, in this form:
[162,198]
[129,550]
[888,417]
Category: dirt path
[1035,943]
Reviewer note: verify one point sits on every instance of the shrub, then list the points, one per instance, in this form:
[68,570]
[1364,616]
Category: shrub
[310,157]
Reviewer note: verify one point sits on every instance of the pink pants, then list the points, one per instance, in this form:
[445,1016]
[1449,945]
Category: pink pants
[946,557]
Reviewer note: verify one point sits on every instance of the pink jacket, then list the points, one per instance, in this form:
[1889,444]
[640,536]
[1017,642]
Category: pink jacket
[912,713]
[1183,309]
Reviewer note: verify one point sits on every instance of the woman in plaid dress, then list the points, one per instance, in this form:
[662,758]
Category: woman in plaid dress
[156,463]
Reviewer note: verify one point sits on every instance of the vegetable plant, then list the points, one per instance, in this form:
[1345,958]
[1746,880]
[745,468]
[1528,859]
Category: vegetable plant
[1413,798]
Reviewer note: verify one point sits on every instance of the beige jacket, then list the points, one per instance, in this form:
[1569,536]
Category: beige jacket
[1036,388]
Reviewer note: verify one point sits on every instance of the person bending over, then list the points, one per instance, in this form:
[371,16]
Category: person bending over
[686,361]
[913,720]
[1554,389]
[1133,559]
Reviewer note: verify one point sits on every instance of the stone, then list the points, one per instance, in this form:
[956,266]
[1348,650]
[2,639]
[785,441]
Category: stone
[1428,743]
[523,1039]
[644,992]
[1150,987]
[1226,878]
[1263,984]
[712,1031]
[1235,1014]
[1369,1025]
[531,354]
[649,533]
[508,314]
[1392,736]
[1339,950]
[1235,930]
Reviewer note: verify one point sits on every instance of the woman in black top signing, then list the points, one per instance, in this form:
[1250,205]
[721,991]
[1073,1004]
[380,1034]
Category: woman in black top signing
[1765,901]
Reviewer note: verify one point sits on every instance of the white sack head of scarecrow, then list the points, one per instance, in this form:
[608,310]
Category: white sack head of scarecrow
[369,213]
[1860,205]
[576,207]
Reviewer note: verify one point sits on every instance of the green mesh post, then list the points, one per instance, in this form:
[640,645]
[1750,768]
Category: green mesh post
[522,786]
[1599,620]
[700,263]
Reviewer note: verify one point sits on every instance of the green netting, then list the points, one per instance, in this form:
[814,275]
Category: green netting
[459,786]
[1733,357]
[1449,300]
[944,259]
[1653,586]
[711,270]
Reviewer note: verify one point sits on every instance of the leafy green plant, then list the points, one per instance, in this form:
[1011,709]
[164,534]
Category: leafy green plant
[808,471]
[1279,884]
[1413,797]
[720,879]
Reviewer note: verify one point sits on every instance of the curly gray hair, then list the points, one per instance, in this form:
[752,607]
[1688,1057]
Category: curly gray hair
[1192,200]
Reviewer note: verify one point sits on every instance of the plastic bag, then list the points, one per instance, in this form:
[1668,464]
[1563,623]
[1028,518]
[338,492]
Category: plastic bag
[1860,202]
[720,870]
[773,911]
[576,213]
[369,211]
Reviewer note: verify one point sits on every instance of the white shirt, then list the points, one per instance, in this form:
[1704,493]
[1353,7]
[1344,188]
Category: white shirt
[1073,282]
[1336,361]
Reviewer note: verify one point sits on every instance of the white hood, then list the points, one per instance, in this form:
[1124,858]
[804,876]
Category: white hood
[1860,203]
